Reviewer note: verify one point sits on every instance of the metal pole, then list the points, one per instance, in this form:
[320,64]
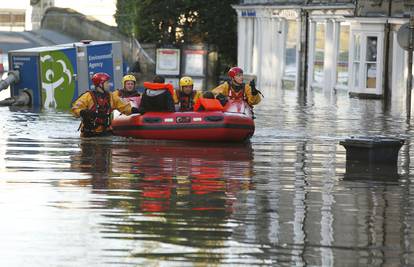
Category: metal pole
[410,68]
[303,53]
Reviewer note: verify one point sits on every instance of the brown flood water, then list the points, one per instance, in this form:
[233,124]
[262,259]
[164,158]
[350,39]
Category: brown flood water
[282,199]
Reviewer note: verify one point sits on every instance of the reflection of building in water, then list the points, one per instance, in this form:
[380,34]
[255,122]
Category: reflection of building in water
[303,214]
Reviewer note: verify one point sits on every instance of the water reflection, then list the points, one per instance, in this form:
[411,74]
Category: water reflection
[305,214]
[174,194]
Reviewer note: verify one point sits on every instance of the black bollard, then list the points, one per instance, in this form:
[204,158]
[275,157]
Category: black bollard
[372,157]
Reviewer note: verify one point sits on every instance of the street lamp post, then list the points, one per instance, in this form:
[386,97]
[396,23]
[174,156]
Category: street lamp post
[410,68]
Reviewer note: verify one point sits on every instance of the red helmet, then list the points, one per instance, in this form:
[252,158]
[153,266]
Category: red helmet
[99,78]
[234,71]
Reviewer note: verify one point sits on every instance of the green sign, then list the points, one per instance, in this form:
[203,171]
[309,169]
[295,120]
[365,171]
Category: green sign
[58,83]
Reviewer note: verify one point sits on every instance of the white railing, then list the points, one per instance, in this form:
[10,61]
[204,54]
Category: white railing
[141,50]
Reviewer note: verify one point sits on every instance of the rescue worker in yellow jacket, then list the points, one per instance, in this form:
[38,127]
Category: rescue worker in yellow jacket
[95,107]
[128,90]
[186,97]
[236,89]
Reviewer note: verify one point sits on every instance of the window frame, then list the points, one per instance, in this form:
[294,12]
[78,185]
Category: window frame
[362,72]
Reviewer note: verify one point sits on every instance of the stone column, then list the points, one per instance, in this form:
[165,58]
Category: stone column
[38,10]
[241,41]
[328,62]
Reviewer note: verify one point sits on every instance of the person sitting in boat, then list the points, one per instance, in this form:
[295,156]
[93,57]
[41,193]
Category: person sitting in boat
[208,103]
[158,96]
[128,82]
[95,107]
[186,97]
[236,89]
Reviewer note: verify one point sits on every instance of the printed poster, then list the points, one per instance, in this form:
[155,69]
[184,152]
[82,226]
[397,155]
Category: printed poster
[168,62]
[194,62]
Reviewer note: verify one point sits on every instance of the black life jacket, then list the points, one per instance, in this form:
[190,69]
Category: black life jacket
[124,93]
[186,101]
[157,103]
[237,95]
[102,108]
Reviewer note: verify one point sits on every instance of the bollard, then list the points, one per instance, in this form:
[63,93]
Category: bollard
[372,157]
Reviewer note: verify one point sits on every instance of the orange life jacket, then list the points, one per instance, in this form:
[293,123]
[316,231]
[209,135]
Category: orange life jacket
[160,86]
[208,104]
[102,108]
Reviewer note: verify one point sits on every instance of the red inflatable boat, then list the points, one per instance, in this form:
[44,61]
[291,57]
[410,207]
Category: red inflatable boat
[235,124]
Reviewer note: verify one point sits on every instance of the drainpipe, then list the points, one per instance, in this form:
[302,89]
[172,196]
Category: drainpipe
[387,31]
[304,47]
[356,8]
[410,70]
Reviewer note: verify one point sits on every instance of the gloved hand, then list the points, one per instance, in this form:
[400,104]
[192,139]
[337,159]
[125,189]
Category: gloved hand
[253,87]
[87,114]
[134,110]
[88,120]
[222,98]
[208,95]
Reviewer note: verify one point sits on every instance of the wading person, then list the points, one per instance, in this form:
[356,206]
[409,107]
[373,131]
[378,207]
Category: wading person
[94,107]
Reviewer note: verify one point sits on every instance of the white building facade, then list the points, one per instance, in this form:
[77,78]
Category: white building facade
[329,44]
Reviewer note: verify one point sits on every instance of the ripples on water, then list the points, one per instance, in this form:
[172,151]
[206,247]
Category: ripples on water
[279,200]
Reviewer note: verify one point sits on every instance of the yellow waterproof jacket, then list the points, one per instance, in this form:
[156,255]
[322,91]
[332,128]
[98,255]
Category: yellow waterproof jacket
[224,89]
[86,101]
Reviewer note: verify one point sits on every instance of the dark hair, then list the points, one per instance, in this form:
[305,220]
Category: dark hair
[158,79]
[208,94]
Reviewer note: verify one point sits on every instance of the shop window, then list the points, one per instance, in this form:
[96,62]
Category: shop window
[365,73]
[319,55]
[342,75]
[371,62]
[290,70]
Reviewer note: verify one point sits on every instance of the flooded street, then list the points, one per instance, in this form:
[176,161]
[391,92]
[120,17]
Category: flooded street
[281,200]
